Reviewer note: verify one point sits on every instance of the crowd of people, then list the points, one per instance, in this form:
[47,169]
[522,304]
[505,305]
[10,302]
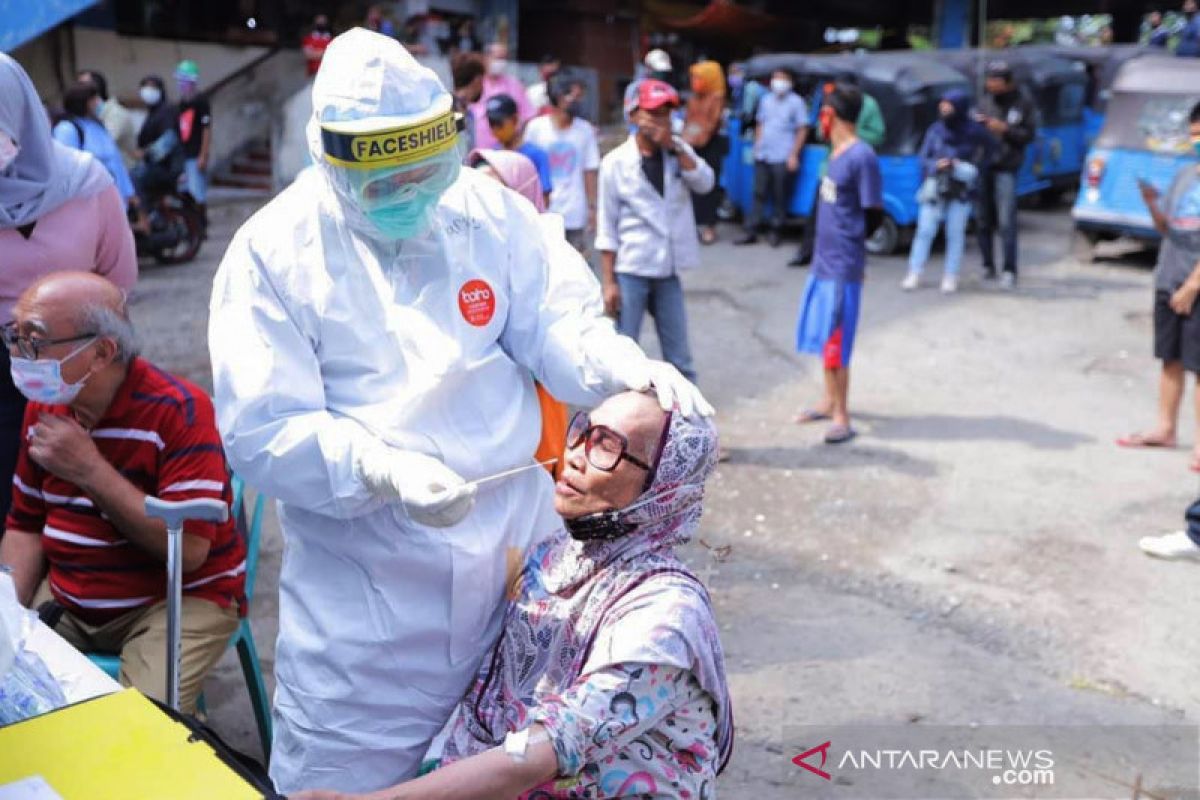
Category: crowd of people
[380,375]
[1183,31]
[402,328]
[168,151]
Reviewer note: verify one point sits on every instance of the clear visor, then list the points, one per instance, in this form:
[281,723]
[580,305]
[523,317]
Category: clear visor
[371,189]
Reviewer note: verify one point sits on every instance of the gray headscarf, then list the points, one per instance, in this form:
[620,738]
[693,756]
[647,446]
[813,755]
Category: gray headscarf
[45,174]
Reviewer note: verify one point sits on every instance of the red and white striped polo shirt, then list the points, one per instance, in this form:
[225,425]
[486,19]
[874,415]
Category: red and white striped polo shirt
[160,432]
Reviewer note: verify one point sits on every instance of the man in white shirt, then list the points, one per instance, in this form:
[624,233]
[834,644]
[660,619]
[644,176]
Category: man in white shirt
[570,143]
[646,232]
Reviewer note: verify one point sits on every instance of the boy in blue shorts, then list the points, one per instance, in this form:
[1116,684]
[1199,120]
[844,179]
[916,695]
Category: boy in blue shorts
[850,209]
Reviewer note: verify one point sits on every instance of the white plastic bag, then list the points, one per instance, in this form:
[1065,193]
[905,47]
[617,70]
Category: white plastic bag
[10,622]
[26,686]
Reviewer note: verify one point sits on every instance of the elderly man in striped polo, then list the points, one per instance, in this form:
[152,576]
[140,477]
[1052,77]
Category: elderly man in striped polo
[103,429]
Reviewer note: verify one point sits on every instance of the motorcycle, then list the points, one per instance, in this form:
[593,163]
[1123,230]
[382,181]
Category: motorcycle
[176,229]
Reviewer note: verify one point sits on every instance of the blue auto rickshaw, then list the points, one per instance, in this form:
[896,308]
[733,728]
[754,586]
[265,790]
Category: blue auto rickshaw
[1058,88]
[737,174]
[907,87]
[1144,139]
[1100,64]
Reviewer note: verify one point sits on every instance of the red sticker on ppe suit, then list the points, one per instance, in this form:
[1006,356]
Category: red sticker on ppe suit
[477,302]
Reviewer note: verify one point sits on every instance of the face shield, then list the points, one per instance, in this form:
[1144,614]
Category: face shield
[394,169]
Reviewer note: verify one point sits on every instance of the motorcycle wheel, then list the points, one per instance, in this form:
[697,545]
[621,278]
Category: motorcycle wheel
[187,230]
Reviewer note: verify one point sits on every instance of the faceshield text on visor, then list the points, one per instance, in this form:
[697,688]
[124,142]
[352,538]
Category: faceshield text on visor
[396,175]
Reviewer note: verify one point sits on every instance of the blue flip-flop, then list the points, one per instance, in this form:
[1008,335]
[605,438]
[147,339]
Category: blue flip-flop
[839,434]
[809,415]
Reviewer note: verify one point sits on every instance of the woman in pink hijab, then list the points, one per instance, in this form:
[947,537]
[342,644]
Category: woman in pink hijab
[513,170]
[519,174]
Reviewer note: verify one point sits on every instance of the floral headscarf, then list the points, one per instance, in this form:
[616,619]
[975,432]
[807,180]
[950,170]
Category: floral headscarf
[569,587]
[689,455]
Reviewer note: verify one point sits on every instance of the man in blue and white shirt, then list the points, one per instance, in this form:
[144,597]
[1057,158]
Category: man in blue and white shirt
[645,230]
[778,139]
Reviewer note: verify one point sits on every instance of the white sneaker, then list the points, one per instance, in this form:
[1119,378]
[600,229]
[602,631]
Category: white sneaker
[949,284]
[1007,280]
[1176,546]
[911,281]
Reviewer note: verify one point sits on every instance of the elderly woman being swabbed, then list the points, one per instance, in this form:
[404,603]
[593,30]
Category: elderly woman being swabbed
[608,680]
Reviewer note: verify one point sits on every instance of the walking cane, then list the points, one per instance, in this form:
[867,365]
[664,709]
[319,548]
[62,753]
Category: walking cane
[200,509]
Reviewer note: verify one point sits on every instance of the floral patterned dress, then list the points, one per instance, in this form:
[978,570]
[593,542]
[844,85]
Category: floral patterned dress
[612,647]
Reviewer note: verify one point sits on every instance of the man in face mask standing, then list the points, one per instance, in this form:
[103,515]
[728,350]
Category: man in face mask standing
[645,234]
[778,139]
[375,331]
[497,80]
[1010,117]
[315,42]
[570,144]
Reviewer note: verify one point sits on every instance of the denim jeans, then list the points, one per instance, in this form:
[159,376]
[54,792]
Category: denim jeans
[930,216]
[998,209]
[195,181]
[663,298]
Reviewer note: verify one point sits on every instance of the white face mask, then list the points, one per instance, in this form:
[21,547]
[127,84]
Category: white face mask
[8,151]
[780,86]
[497,66]
[42,382]
[150,95]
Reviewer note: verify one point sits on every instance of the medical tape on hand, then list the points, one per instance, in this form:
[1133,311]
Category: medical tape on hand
[516,743]
[391,147]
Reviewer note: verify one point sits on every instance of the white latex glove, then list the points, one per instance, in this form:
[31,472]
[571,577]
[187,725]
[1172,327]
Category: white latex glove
[431,493]
[671,387]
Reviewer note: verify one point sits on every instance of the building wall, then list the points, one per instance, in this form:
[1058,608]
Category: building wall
[584,32]
[125,60]
[39,57]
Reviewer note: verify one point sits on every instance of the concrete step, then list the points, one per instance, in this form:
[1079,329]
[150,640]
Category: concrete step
[221,195]
[261,182]
[247,166]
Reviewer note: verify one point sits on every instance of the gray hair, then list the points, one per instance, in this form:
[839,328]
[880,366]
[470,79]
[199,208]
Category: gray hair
[110,323]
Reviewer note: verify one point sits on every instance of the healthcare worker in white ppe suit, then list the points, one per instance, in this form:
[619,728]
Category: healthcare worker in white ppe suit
[375,331]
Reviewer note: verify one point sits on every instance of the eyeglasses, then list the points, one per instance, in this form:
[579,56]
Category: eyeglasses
[604,447]
[27,347]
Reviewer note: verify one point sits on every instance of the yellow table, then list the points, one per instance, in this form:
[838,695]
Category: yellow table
[119,746]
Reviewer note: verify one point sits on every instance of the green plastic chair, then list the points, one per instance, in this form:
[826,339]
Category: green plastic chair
[243,638]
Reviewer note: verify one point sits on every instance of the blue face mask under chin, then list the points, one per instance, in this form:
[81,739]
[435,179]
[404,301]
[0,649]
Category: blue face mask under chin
[1196,147]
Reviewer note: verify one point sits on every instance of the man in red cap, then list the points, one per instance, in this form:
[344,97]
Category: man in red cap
[645,230]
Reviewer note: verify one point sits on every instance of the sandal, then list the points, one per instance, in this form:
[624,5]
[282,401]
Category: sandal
[708,236]
[1138,440]
[809,415]
[839,434]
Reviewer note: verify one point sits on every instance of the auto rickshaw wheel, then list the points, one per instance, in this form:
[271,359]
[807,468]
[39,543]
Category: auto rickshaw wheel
[886,238]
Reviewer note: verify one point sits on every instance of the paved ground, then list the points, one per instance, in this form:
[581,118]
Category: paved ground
[971,558]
